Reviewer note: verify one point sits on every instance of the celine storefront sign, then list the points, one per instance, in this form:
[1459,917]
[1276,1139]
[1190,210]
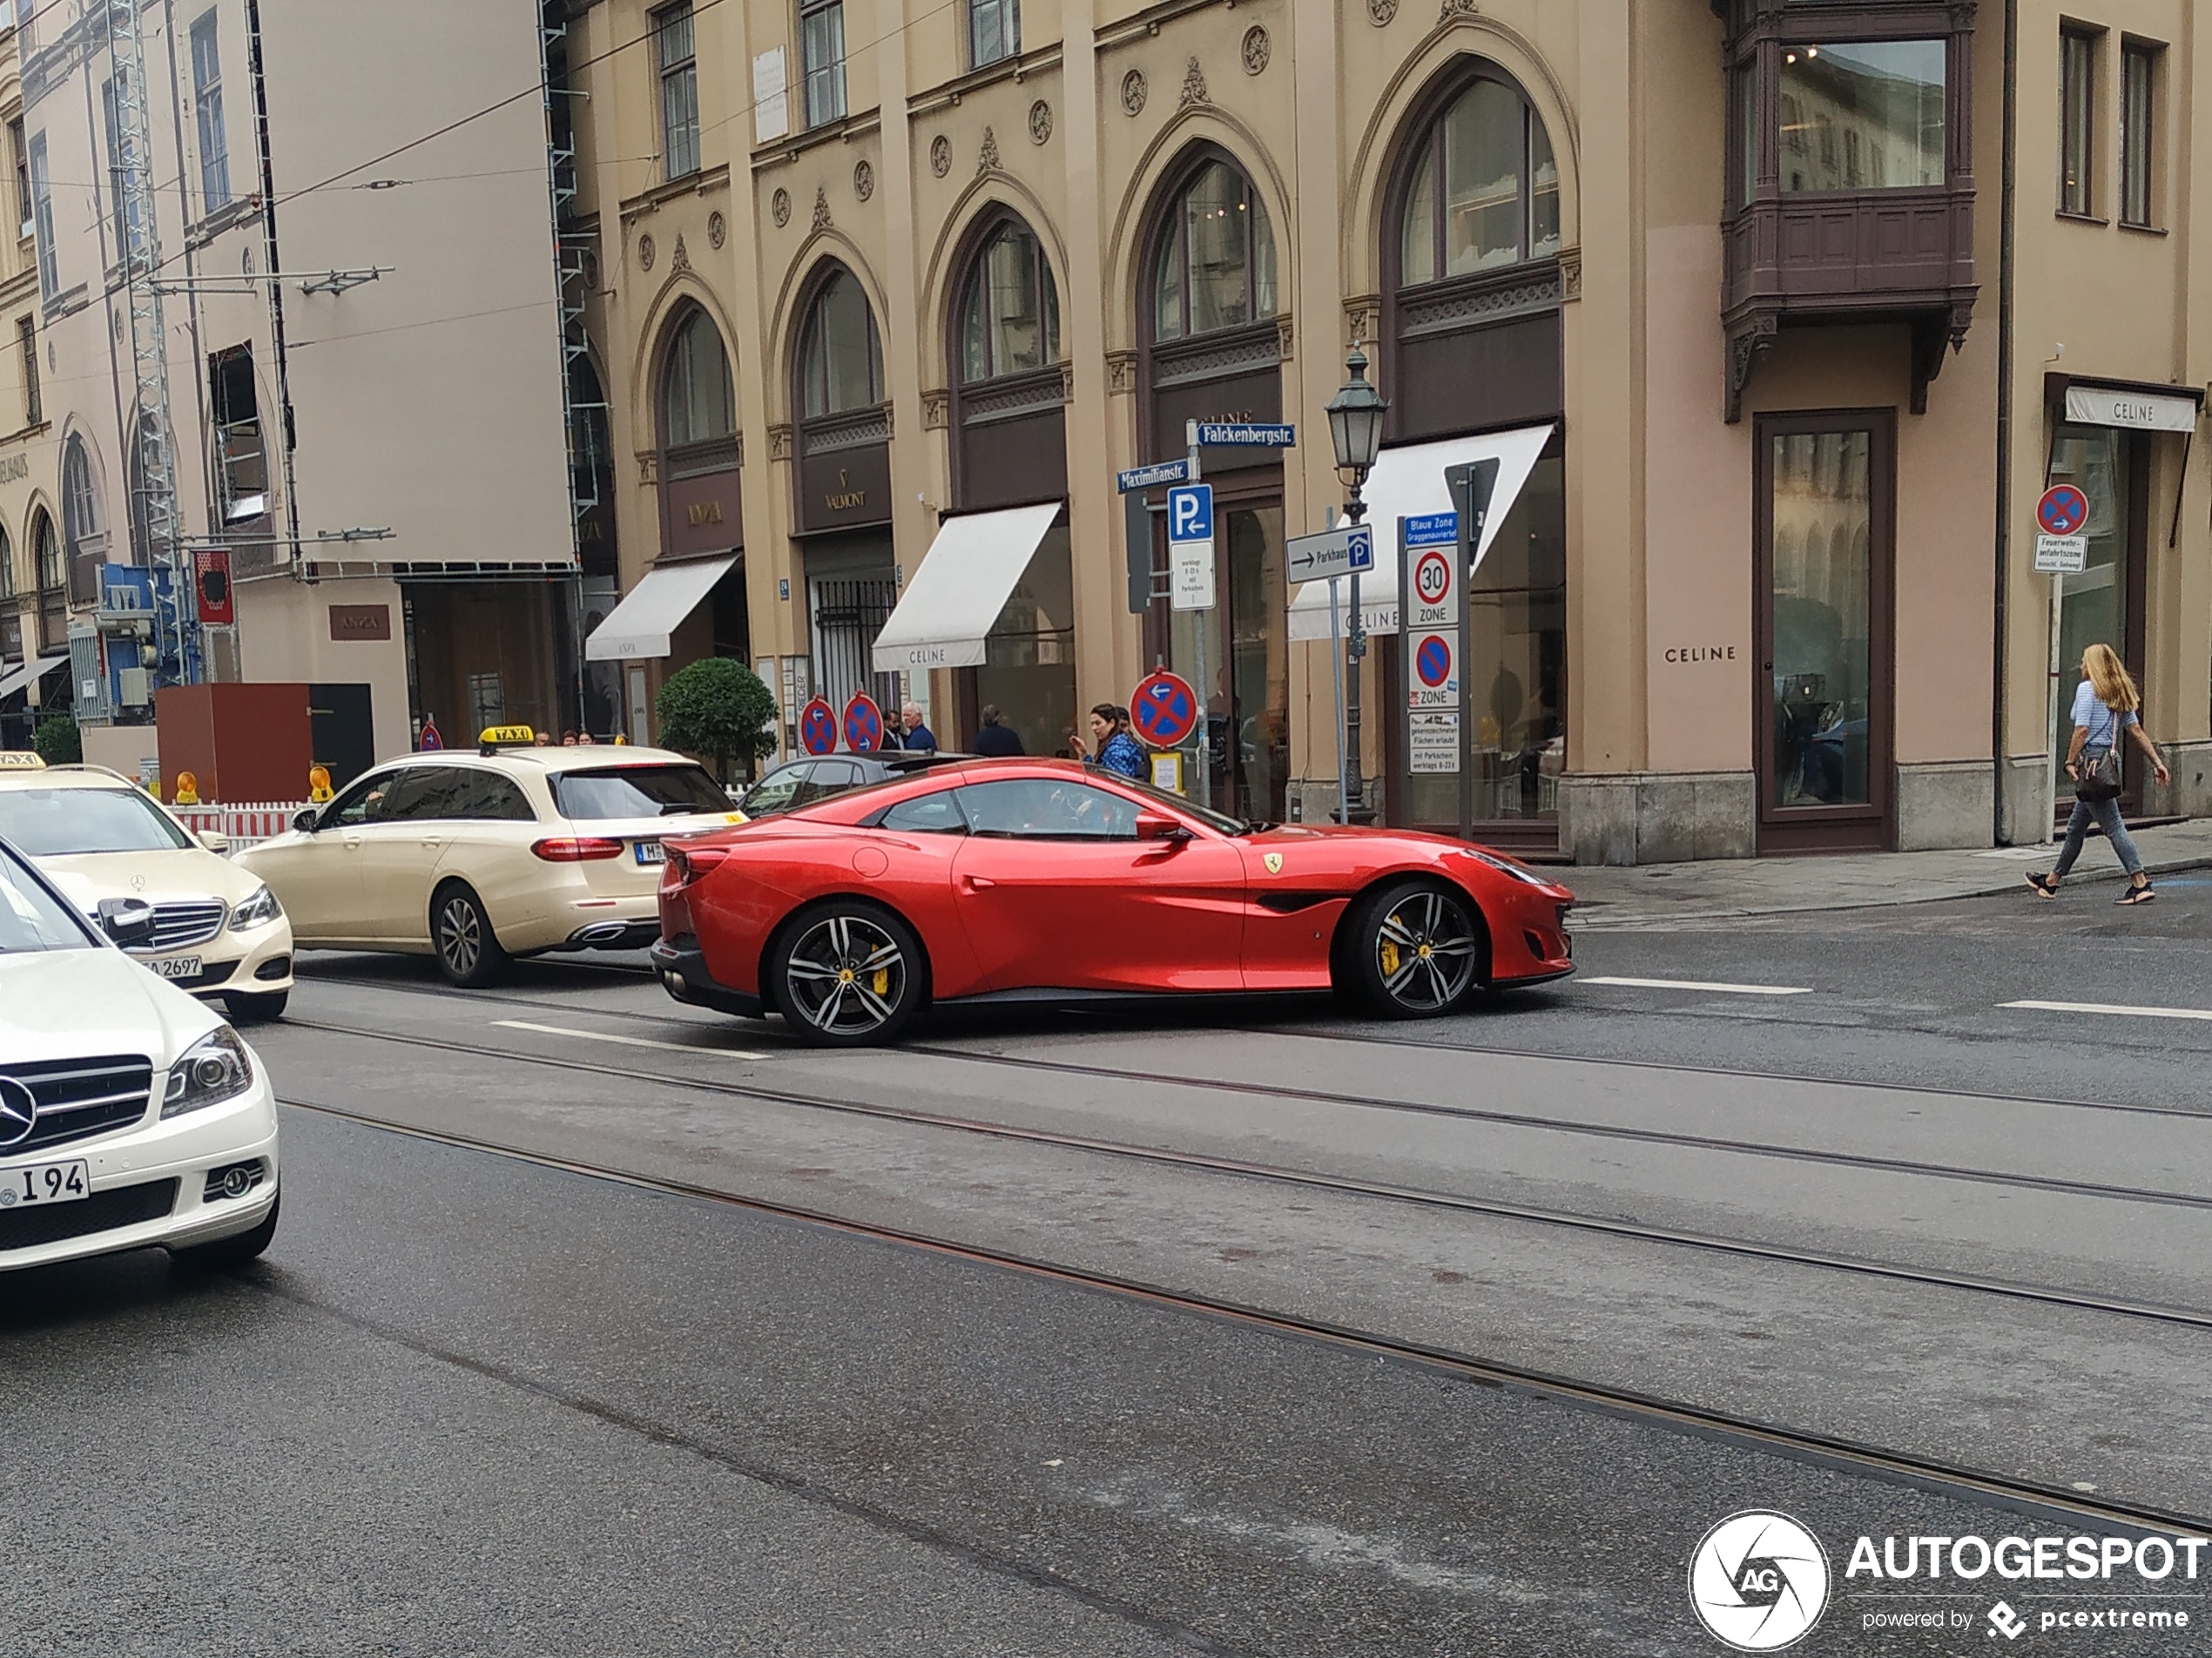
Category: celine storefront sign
[2137,411]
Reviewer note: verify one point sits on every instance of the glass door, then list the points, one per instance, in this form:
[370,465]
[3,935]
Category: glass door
[1824,743]
[1246,685]
[2104,603]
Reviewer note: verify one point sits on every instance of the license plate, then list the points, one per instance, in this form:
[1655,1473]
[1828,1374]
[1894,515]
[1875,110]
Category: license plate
[651,852]
[52,1183]
[176,967]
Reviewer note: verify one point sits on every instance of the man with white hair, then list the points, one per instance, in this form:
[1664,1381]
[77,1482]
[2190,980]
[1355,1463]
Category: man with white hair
[913,735]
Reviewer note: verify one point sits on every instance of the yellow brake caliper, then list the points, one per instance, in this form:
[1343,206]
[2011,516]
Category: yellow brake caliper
[1389,951]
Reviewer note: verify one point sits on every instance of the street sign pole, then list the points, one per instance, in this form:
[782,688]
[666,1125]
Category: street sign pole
[1204,796]
[1336,687]
[1472,485]
[2061,547]
[2051,758]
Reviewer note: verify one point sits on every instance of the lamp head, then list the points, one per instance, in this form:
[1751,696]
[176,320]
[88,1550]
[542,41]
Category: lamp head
[1356,417]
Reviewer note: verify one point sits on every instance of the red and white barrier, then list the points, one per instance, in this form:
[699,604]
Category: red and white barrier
[242,825]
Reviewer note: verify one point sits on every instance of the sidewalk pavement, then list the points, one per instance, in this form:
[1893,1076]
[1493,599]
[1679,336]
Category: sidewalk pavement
[1656,895]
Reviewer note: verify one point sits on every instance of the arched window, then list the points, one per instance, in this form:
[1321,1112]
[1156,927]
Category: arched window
[46,553]
[1215,266]
[1485,189]
[7,565]
[80,506]
[840,358]
[1010,314]
[698,399]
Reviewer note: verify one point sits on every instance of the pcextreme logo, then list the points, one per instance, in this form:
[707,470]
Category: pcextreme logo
[1759,1582]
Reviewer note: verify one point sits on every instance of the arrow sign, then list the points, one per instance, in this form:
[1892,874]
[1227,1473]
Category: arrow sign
[1332,553]
[863,725]
[1163,708]
[818,727]
[2062,510]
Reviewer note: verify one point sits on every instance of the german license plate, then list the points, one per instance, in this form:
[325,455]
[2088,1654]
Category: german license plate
[176,966]
[52,1183]
[651,852]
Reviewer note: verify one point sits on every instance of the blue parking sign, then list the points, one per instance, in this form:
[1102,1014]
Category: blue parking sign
[1190,513]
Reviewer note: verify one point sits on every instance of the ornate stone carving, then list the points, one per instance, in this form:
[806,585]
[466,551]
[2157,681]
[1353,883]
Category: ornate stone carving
[646,251]
[989,160]
[1380,13]
[1489,301]
[1120,373]
[1133,91]
[1284,338]
[780,442]
[936,410]
[1359,316]
[863,178]
[1570,274]
[1455,10]
[821,208]
[648,466]
[1194,84]
[680,261]
[1746,345]
[1040,121]
[1256,51]
[718,230]
[941,155]
[780,207]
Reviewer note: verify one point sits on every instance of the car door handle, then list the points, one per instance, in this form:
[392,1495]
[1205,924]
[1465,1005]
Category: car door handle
[433,841]
[977,883]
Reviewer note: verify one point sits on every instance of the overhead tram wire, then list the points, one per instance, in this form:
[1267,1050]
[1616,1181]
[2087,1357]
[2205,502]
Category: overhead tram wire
[1235,1169]
[1826,1451]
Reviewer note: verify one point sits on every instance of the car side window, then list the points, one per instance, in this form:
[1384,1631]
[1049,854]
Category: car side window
[827,777]
[928,814]
[1048,809]
[493,798]
[427,794]
[363,803]
[776,791]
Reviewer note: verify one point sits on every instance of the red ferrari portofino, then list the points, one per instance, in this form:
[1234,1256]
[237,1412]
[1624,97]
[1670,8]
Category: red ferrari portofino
[1040,881]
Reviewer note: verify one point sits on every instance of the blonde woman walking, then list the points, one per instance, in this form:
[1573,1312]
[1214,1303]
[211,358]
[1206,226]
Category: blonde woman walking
[2106,707]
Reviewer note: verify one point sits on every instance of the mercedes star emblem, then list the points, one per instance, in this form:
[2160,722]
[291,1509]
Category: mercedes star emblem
[18,1112]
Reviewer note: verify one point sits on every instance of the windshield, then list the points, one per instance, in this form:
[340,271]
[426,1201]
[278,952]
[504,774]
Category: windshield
[29,918]
[1218,821]
[61,823]
[636,791]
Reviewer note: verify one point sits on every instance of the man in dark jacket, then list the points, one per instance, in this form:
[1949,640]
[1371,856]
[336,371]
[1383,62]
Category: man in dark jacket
[1000,741]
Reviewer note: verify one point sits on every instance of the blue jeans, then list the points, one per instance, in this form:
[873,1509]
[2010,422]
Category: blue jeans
[2106,813]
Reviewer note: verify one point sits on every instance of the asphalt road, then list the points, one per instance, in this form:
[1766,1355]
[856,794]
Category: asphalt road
[474,1404]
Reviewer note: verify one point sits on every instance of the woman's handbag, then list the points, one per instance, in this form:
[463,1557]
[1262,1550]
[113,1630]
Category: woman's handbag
[2097,775]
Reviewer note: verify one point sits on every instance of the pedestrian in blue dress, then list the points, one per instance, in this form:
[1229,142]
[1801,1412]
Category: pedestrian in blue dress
[1118,752]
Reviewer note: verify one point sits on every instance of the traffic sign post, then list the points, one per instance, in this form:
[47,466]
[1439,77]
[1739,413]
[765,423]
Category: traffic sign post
[1472,485]
[863,725]
[1428,630]
[818,727]
[1191,572]
[1331,554]
[1199,502]
[2062,550]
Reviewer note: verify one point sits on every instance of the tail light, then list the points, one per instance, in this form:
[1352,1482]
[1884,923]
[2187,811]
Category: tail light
[687,864]
[563,849]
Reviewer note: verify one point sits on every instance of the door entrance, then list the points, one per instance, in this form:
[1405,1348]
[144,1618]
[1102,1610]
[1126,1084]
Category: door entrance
[1824,533]
[1247,681]
[2104,605]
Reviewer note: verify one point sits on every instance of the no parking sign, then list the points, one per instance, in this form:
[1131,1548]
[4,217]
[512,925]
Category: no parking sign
[863,725]
[818,727]
[1163,708]
[1434,682]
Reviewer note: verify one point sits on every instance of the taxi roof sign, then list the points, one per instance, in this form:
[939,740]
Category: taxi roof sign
[499,737]
[20,760]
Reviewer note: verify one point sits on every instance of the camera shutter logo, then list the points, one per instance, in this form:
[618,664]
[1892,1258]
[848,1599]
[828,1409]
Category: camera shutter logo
[18,1112]
[1759,1582]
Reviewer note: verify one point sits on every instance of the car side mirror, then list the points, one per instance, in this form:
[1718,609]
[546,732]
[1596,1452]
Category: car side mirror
[128,921]
[215,842]
[305,819]
[1157,826]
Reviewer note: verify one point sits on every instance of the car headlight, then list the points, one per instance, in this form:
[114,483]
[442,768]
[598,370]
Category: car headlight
[1504,866]
[214,1069]
[260,908]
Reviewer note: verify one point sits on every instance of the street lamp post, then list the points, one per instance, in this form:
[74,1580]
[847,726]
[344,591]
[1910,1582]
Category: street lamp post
[1355,429]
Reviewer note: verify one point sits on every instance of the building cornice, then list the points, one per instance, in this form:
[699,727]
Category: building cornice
[782,151]
[1147,22]
[1016,69]
[691,184]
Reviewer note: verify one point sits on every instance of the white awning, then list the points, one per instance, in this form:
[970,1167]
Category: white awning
[2136,408]
[640,626]
[946,614]
[38,668]
[1408,483]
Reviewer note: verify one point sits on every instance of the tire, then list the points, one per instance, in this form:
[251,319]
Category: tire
[1413,950]
[847,974]
[468,951]
[251,1008]
[235,1250]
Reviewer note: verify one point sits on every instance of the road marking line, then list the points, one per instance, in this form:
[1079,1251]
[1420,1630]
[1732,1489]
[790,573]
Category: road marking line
[1693,984]
[2108,1008]
[626,1041]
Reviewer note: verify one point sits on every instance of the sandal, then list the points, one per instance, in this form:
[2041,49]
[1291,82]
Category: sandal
[2044,887]
[2142,894]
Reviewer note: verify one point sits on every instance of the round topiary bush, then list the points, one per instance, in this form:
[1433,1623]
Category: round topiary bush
[57,741]
[718,708]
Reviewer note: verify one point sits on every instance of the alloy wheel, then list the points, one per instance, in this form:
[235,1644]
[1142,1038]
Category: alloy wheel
[1426,952]
[460,936]
[846,976]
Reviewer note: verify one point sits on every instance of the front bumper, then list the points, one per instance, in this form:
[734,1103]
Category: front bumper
[681,967]
[257,962]
[121,1166]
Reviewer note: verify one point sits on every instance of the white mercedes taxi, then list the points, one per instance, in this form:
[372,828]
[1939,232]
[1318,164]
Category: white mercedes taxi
[513,850]
[218,931]
[129,1114]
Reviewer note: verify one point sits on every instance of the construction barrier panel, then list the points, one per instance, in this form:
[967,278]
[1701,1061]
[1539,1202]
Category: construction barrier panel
[242,825]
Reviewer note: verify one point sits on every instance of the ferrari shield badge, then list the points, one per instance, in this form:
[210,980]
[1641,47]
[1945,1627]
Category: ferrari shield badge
[1273,860]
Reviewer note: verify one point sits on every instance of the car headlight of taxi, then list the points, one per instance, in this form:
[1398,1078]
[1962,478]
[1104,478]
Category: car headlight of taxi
[215,1068]
[1505,866]
[260,908]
